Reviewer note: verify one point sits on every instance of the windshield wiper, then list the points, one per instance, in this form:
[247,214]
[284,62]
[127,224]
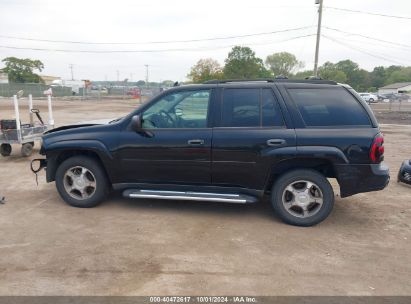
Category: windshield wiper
[115,120]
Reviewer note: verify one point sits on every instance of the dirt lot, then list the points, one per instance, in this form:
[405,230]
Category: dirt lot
[137,247]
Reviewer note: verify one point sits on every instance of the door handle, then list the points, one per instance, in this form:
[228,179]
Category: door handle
[275,142]
[196,142]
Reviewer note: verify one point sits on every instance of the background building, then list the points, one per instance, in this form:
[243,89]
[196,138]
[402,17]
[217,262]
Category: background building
[399,87]
[4,78]
[49,79]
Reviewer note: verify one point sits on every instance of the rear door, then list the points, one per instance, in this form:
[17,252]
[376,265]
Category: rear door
[251,124]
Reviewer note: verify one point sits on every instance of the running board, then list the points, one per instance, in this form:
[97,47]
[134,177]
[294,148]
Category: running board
[190,196]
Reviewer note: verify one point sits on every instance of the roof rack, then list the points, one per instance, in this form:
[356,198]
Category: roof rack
[215,81]
[271,80]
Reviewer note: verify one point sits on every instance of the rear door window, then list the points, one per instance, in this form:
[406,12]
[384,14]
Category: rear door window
[251,108]
[321,107]
[241,108]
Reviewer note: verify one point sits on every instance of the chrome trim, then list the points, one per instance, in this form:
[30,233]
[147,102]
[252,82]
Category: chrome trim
[163,191]
[189,193]
[212,194]
[189,197]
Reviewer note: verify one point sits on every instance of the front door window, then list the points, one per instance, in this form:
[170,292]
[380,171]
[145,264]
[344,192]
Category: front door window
[188,109]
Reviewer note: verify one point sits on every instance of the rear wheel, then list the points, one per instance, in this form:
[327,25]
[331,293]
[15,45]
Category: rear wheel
[302,197]
[371,100]
[5,150]
[82,182]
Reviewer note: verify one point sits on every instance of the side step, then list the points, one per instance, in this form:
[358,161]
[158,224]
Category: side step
[190,196]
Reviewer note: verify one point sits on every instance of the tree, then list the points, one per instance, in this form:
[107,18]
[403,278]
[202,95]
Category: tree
[205,69]
[402,75]
[167,83]
[283,64]
[360,80]
[22,70]
[348,71]
[378,76]
[303,74]
[330,71]
[356,77]
[242,63]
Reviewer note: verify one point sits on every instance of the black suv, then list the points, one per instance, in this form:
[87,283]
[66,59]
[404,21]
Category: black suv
[227,141]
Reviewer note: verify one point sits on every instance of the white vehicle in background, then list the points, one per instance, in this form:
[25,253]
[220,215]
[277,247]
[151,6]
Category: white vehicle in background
[368,97]
[74,84]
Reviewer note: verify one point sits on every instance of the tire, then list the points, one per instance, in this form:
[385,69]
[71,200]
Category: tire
[26,149]
[84,173]
[371,100]
[314,194]
[5,150]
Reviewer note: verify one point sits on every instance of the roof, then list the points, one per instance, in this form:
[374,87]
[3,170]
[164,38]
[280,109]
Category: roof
[397,85]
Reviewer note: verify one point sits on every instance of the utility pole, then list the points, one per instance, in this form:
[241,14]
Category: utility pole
[146,65]
[317,46]
[71,66]
[118,76]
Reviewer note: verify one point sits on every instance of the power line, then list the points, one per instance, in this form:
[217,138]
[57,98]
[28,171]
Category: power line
[368,37]
[367,13]
[362,51]
[159,42]
[146,51]
[370,43]
[356,42]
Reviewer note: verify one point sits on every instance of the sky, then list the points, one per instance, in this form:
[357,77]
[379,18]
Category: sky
[130,27]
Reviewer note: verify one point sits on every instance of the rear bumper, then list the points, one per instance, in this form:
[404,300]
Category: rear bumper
[355,179]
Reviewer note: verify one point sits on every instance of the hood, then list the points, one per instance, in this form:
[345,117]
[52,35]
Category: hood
[81,124]
[95,122]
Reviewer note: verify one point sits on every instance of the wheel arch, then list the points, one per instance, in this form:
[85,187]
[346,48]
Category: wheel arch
[59,156]
[322,165]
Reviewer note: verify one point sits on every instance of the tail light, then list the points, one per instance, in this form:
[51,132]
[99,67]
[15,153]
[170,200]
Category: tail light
[377,149]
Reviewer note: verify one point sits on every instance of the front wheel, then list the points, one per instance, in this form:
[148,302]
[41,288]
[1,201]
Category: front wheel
[302,197]
[82,182]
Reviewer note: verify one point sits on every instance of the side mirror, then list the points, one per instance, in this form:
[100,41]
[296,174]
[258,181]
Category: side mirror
[136,123]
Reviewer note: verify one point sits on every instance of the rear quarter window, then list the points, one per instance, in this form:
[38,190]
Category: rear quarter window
[321,107]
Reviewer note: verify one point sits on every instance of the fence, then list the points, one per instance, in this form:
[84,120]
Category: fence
[401,105]
[36,90]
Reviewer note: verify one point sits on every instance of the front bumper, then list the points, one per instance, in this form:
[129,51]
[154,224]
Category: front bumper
[404,175]
[355,179]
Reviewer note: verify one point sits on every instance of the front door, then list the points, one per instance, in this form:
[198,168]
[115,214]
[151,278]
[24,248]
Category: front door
[176,144]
